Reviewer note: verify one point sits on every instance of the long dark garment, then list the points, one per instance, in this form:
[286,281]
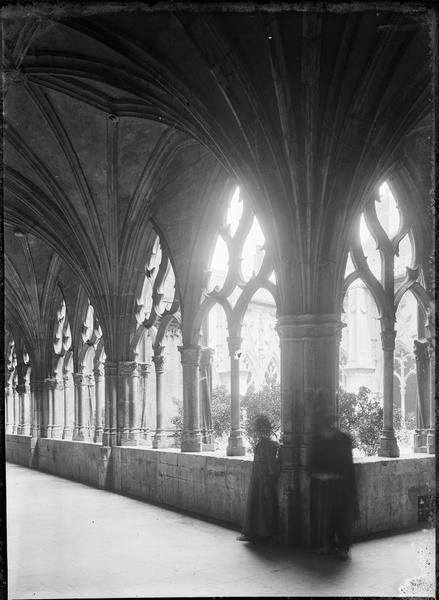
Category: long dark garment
[333,491]
[261,511]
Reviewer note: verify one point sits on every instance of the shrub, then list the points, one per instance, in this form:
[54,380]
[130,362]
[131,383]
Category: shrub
[265,401]
[362,416]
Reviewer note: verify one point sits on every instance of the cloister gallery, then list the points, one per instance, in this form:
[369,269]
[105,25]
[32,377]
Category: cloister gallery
[201,197]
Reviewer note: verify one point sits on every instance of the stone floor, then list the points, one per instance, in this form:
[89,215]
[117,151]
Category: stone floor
[67,540]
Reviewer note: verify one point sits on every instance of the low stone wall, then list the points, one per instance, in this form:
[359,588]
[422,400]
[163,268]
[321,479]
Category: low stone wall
[80,461]
[388,491]
[216,487]
[19,449]
[204,484]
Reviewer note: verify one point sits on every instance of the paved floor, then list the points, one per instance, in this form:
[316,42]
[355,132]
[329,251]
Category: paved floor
[67,540]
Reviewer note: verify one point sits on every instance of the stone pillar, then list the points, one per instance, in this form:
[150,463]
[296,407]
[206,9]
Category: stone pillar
[145,401]
[431,433]
[191,434]
[128,373]
[100,403]
[69,408]
[235,445]
[388,442]
[37,399]
[81,432]
[160,439]
[58,408]
[15,409]
[309,380]
[208,438]
[48,407]
[110,428]
[23,391]
[9,408]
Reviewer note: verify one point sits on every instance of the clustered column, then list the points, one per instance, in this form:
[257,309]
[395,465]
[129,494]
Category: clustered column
[100,403]
[191,440]
[110,428]
[9,402]
[23,392]
[69,407]
[128,373]
[80,431]
[308,349]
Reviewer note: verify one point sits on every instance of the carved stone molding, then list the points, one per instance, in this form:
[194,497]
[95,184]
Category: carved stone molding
[234,343]
[110,369]
[128,369]
[388,340]
[308,326]
[80,379]
[144,369]
[190,355]
[159,363]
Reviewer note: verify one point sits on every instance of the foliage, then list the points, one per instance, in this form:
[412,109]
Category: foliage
[220,408]
[362,416]
[265,401]
[404,428]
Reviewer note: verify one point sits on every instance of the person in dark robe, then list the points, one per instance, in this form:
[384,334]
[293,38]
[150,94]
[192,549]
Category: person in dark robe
[260,521]
[334,505]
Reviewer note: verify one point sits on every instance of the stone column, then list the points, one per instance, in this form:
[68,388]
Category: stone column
[309,379]
[191,435]
[48,407]
[160,439]
[206,425]
[100,403]
[15,409]
[128,373]
[58,408]
[145,401]
[37,400]
[388,442]
[80,431]
[235,445]
[69,408]
[23,392]
[9,408]
[431,433]
[110,428]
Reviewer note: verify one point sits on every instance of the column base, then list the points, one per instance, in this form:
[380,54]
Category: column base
[236,445]
[130,440]
[424,441]
[67,434]
[97,438]
[25,430]
[109,438]
[35,432]
[191,441]
[57,432]
[81,436]
[388,444]
[431,441]
[160,440]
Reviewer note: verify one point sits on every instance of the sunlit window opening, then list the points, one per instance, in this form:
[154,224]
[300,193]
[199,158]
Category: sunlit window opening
[387,211]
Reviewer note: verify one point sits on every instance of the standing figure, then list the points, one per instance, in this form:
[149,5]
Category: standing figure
[260,522]
[333,491]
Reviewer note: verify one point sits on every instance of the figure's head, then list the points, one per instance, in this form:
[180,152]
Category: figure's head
[262,426]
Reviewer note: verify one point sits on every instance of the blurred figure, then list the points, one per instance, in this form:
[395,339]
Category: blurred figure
[334,504]
[260,522]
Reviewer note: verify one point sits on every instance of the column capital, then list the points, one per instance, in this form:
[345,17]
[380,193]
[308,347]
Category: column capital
[234,343]
[59,384]
[144,369]
[99,371]
[80,379]
[159,363]
[309,326]
[190,355]
[23,388]
[50,383]
[128,368]
[388,339]
[206,355]
[110,368]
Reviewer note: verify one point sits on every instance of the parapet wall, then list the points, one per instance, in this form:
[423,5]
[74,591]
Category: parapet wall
[216,487]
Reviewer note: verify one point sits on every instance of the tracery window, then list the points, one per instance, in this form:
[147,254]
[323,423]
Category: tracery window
[383,275]
[238,308]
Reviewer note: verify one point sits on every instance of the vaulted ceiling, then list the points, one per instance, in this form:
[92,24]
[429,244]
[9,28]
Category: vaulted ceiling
[116,122]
